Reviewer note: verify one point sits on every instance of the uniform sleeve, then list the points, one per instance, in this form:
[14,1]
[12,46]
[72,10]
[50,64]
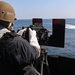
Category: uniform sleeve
[22,52]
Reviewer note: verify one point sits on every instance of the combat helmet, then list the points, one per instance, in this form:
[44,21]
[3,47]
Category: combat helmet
[7,12]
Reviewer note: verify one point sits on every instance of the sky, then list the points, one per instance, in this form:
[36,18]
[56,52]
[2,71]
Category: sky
[46,9]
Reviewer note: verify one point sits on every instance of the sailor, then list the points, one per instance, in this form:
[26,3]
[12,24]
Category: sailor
[15,52]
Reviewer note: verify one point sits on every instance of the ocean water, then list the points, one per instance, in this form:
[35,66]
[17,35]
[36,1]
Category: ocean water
[68,50]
